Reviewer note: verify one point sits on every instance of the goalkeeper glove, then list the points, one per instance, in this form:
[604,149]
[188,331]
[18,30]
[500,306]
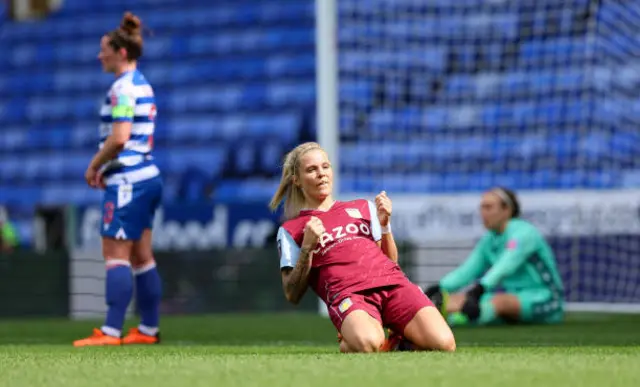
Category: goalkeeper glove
[439,298]
[432,290]
[475,292]
[471,307]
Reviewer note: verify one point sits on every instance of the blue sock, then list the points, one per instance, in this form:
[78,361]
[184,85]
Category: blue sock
[148,296]
[118,293]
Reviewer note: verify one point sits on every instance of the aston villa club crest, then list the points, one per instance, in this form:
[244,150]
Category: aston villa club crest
[354,213]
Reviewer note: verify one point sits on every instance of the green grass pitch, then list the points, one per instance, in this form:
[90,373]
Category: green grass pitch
[301,350]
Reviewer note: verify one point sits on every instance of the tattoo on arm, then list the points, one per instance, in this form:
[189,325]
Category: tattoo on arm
[297,281]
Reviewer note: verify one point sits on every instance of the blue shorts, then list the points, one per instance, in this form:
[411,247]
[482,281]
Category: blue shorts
[128,209]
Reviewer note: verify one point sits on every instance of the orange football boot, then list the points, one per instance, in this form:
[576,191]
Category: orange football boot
[98,338]
[392,342]
[137,337]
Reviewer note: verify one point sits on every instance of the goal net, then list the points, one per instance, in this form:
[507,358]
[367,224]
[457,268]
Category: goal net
[438,100]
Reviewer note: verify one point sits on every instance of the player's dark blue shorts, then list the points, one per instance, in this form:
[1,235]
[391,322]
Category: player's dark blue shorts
[128,209]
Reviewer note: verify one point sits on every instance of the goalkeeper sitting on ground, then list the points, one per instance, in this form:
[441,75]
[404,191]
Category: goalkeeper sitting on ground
[515,269]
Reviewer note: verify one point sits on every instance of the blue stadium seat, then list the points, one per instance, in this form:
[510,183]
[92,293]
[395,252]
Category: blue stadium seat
[5,65]
[410,183]
[206,98]
[52,137]
[369,156]
[513,82]
[349,183]
[358,92]
[563,51]
[435,118]
[288,66]
[13,138]
[625,143]
[10,168]
[11,194]
[282,126]
[487,86]
[432,58]
[461,86]
[248,190]
[289,93]
[244,158]
[26,54]
[75,164]
[157,48]
[630,178]
[531,146]
[271,157]
[381,122]
[210,159]
[465,58]
[196,128]
[84,135]
[14,110]
[161,156]
[78,193]
[226,43]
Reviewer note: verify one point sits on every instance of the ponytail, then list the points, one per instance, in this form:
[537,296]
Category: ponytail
[289,192]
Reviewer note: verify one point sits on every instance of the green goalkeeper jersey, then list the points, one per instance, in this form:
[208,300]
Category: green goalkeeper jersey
[517,259]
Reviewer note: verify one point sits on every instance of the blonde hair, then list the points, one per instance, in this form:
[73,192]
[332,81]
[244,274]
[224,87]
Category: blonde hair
[289,192]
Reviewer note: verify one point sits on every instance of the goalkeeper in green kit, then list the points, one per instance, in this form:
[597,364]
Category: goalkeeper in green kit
[512,268]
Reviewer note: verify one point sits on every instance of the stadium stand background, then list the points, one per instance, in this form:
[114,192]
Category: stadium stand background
[534,95]
[234,84]
[520,94]
[235,87]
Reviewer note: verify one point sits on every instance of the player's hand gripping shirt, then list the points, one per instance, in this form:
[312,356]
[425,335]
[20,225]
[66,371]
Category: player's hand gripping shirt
[347,257]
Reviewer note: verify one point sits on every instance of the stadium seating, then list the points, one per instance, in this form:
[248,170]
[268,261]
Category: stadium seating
[453,96]
[227,77]
[236,88]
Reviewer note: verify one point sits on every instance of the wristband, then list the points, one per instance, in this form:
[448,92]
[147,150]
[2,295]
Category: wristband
[386,229]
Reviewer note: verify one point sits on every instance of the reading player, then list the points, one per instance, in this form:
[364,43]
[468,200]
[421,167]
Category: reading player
[133,188]
[515,269]
[346,253]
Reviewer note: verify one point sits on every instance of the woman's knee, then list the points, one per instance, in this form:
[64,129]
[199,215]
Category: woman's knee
[142,260]
[507,306]
[445,341]
[366,342]
[439,339]
[428,330]
[142,251]
[116,249]
[362,333]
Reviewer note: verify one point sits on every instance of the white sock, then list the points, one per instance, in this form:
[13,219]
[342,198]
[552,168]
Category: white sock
[110,331]
[149,331]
